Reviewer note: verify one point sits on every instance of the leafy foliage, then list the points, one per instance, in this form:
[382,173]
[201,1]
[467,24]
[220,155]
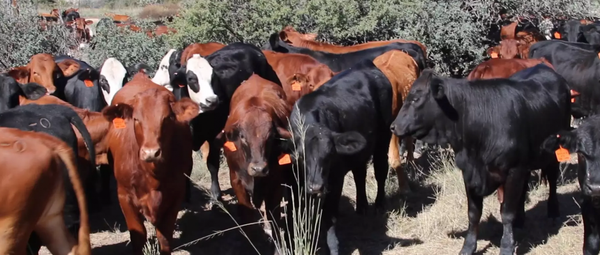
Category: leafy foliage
[453,31]
[21,35]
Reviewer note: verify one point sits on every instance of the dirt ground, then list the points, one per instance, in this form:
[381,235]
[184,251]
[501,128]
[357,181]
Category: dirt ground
[433,218]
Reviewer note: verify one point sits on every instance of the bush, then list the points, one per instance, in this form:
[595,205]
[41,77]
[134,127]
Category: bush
[127,46]
[21,35]
[453,31]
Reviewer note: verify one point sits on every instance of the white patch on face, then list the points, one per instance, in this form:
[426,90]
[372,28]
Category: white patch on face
[162,73]
[205,97]
[114,72]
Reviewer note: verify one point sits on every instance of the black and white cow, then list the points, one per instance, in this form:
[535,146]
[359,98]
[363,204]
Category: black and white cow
[168,74]
[113,75]
[496,128]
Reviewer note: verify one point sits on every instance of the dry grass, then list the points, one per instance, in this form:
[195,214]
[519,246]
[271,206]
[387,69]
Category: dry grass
[158,11]
[432,219]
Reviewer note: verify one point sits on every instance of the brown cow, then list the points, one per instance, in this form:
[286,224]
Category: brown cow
[503,68]
[82,30]
[257,121]
[293,37]
[43,70]
[204,49]
[401,70]
[32,194]
[286,65]
[161,30]
[151,149]
[517,47]
[508,31]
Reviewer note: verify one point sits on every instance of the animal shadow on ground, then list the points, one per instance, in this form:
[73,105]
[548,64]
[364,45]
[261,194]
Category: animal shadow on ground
[538,227]
[365,233]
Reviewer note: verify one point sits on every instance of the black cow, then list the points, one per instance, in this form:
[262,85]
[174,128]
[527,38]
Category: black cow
[341,62]
[496,128]
[579,64]
[9,92]
[574,31]
[55,120]
[337,128]
[585,142]
[81,89]
[211,82]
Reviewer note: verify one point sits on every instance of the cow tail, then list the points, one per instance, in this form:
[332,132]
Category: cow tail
[67,156]
[85,134]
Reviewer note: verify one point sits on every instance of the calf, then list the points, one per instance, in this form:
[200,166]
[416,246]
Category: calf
[81,88]
[343,61]
[55,120]
[293,37]
[401,70]
[580,66]
[289,64]
[337,128]
[31,167]
[497,151]
[584,142]
[257,122]
[211,82]
[151,149]
[503,68]
[43,70]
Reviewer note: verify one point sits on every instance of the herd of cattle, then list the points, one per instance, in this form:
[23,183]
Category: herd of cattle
[325,108]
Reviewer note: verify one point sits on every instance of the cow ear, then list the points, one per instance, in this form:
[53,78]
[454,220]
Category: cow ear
[284,36]
[436,85]
[33,91]
[185,109]
[123,111]
[284,133]
[493,52]
[89,22]
[349,143]
[565,139]
[20,74]
[310,37]
[69,67]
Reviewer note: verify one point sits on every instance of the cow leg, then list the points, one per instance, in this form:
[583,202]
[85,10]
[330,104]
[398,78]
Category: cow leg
[360,180]
[519,221]
[513,189]
[591,223]
[105,174]
[54,234]
[135,222]
[552,172]
[395,163]
[212,162]
[380,167]
[330,212]
[166,227]
[475,208]
[245,207]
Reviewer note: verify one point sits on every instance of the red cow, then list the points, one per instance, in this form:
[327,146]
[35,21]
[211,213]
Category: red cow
[151,149]
[43,70]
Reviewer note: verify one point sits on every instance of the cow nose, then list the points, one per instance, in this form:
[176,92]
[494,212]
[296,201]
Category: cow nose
[149,154]
[315,188]
[211,100]
[259,169]
[393,128]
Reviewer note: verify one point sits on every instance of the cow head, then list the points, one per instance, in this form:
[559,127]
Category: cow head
[570,31]
[70,14]
[43,70]
[200,76]
[318,148]
[290,35]
[584,142]
[424,106]
[112,77]
[256,133]
[153,126]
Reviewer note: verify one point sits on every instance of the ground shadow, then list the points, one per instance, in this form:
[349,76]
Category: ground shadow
[538,228]
[365,233]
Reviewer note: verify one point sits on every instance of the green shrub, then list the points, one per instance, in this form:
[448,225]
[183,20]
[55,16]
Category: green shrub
[21,35]
[127,46]
[453,31]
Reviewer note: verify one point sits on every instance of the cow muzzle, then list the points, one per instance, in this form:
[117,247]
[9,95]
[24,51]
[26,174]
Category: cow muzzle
[258,169]
[315,189]
[209,104]
[150,154]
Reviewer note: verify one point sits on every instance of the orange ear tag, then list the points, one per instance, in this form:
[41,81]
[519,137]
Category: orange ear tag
[285,159]
[230,146]
[562,154]
[119,123]
[598,54]
[494,55]
[572,100]
[88,83]
[296,86]
[557,35]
